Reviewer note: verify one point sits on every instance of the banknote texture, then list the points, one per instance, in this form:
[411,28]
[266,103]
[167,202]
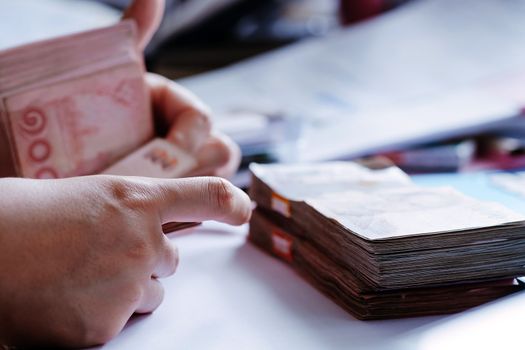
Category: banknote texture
[72,105]
[381,246]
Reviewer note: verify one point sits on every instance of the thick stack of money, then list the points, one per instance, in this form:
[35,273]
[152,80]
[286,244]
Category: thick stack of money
[72,105]
[79,105]
[383,247]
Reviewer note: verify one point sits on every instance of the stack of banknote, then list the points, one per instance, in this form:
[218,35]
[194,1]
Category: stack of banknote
[72,105]
[79,105]
[383,247]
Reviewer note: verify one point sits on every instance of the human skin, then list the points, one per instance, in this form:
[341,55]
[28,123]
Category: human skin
[79,256]
[187,118]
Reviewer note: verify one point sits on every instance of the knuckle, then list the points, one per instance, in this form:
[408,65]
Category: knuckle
[196,104]
[205,120]
[221,194]
[129,194]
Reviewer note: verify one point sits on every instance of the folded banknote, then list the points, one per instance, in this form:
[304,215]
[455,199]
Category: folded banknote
[159,158]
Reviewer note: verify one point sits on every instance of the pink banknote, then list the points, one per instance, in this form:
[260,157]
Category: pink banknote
[158,158]
[73,105]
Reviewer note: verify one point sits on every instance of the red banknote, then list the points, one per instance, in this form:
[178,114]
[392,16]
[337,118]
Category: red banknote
[72,105]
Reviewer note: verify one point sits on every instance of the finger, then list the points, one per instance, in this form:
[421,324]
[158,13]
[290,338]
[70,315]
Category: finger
[201,199]
[190,131]
[168,260]
[152,296]
[186,115]
[148,15]
[219,156]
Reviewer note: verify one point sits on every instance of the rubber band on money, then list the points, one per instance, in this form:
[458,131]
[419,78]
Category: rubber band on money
[282,245]
[281,205]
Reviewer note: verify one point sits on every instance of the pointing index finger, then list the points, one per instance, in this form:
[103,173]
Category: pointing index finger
[201,199]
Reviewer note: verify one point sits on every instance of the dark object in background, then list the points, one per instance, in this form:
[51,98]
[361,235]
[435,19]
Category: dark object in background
[243,29]
[211,44]
[239,31]
[171,227]
[199,35]
[352,11]
[202,35]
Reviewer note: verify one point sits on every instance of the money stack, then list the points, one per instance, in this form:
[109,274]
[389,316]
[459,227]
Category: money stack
[72,105]
[382,247]
[79,105]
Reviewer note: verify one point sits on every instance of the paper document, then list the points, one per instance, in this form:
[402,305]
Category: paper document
[430,69]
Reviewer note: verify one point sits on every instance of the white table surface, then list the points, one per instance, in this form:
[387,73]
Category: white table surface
[227,294]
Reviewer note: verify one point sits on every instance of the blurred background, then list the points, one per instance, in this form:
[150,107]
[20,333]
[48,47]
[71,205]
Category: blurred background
[196,35]
[200,35]
[433,85]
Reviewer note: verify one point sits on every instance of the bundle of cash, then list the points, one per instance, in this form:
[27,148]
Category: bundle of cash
[72,105]
[381,246]
[158,158]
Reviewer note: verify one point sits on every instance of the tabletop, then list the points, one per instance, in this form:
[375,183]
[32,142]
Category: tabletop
[227,294]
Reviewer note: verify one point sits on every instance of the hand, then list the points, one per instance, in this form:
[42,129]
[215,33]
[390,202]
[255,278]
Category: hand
[188,119]
[79,256]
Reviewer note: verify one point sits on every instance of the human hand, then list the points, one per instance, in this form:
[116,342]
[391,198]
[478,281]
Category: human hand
[79,256]
[187,118]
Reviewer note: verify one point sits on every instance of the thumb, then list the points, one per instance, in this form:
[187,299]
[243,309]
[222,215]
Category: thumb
[147,14]
[201,199]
